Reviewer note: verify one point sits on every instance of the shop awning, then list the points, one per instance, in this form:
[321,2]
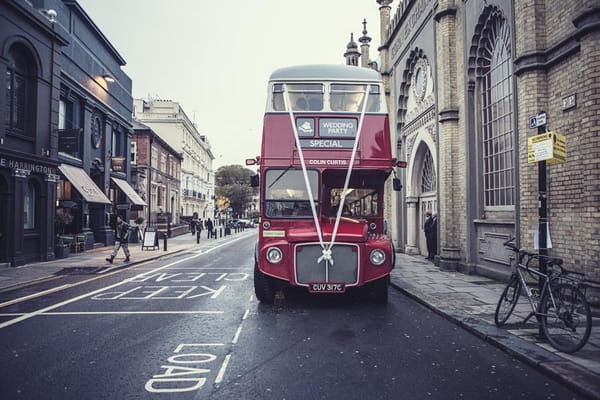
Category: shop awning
[129,192]
[84,184]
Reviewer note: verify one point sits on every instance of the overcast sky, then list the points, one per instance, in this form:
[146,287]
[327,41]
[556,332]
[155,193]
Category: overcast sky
[214,57]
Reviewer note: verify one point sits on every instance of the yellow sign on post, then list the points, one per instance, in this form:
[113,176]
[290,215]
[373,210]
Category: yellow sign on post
[549,146]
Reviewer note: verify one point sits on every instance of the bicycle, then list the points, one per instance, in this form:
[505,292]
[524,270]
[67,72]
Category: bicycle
[562,311]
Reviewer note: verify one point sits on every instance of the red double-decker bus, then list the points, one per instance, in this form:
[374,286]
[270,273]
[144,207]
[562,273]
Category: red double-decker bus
[325,158]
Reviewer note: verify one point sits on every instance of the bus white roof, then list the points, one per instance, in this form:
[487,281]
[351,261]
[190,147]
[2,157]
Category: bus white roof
[325,72]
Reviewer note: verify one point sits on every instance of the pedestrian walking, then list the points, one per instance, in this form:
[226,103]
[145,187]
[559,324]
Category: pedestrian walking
[430,228]
[209,228]
[121,239]
[194,223]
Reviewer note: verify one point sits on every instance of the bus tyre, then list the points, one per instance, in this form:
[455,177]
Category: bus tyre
[263,286]
[380,290]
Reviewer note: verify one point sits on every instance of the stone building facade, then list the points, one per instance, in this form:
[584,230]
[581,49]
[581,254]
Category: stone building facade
[464,78]
[168,119]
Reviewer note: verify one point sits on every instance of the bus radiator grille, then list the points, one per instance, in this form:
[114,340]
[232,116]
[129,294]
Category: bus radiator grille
[344,268]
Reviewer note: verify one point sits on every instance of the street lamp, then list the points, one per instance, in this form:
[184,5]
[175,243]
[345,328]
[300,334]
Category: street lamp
[108,78]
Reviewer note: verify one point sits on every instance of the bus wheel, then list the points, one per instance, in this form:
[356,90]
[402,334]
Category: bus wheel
[263,286]
[380,290]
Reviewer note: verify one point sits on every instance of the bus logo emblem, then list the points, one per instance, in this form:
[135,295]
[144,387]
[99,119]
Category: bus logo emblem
[306,126]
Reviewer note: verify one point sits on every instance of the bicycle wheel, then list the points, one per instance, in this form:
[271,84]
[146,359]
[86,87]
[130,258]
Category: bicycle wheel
[567,322]
[508,300]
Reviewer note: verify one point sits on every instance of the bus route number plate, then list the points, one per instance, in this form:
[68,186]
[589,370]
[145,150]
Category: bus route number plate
[327,287]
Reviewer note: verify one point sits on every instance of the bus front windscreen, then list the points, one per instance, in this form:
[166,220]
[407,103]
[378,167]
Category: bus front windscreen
[286,195]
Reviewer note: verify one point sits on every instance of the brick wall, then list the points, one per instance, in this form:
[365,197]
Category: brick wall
[451,187]
[573,187]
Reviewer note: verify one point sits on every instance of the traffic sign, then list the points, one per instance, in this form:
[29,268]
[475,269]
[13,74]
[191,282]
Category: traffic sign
[537,121]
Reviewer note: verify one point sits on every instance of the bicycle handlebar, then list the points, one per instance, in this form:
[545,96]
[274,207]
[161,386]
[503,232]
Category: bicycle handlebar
[549,259]
[510,243]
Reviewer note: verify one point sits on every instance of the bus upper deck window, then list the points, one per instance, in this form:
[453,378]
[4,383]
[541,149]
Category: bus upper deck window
[346,97]
[302,96]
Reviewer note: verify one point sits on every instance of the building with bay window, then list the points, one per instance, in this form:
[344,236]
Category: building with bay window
[156,170]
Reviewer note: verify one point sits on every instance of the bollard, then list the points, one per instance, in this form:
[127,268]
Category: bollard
[197,237]
[221,232]
[165,238]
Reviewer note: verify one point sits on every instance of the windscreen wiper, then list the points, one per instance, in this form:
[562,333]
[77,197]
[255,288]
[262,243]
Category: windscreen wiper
[280,175]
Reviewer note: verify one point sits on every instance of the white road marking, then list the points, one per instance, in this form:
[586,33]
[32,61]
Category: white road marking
[237,334]
[32,296]
[129,312]
[83,296]
[221,373]
[246,314]
[194,268]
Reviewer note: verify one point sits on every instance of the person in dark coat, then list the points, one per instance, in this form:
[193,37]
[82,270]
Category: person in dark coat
[194,223]
[430,228]
[434,236]
[209,227]
[121,239]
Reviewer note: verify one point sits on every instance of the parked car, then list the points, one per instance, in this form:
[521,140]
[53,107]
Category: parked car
[241,223]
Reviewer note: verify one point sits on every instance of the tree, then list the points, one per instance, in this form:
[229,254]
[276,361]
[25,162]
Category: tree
[232,186]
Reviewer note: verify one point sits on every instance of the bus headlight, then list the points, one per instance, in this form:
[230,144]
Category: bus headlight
[274,255]
[377,257]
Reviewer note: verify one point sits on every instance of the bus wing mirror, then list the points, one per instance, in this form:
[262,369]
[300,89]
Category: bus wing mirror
[253,161]
[254,181]
[397,184]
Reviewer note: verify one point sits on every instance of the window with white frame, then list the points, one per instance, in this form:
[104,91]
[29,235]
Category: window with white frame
[133,152]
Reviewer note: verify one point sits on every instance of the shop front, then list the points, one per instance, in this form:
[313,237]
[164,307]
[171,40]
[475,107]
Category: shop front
[27,196]
[82,210]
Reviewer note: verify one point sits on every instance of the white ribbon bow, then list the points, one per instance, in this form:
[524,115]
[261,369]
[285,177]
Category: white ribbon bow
[326,256]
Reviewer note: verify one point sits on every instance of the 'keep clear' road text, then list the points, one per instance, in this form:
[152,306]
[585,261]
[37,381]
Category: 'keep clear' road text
[174,292]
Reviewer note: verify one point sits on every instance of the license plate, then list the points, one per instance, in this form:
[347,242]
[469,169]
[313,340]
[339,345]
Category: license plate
[327,287]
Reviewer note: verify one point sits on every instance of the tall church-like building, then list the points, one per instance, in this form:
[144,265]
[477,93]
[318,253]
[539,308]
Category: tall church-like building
[464,81]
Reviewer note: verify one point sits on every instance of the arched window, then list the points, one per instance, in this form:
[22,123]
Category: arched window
[30,203]
[496,107]
[20,90]
[429,177]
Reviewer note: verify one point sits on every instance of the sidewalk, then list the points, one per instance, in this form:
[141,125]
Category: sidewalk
[94,260]
[467,300]
[470,301]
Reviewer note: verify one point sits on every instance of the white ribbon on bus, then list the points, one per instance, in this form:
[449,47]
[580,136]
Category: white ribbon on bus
[326,249]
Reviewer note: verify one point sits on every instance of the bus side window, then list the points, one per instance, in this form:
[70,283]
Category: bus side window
[277,102]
